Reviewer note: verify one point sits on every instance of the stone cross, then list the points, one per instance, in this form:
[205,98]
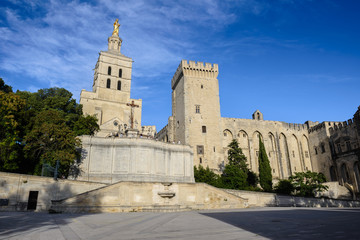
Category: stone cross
[132,105]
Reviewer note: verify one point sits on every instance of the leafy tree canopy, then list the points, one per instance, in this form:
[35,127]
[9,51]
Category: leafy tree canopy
[40,127]
[50,139]
[5,88]
[10,131]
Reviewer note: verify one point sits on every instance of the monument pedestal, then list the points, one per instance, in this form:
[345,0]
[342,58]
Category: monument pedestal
[132,133]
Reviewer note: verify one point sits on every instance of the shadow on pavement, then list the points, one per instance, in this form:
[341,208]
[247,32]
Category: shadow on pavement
[295,223]
[14,224]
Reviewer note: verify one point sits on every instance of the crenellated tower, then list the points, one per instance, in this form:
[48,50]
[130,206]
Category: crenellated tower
[196,116]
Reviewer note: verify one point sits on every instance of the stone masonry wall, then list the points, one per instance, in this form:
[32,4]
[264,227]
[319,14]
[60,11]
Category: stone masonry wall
[15,189]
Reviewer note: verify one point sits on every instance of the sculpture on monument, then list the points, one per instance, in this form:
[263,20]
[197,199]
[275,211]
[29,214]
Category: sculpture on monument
[116,28]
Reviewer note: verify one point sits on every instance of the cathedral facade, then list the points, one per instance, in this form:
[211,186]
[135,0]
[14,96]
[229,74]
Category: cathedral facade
[331,148]
[110,99]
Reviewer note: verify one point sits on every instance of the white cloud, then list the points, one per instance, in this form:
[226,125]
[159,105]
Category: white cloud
[59,47]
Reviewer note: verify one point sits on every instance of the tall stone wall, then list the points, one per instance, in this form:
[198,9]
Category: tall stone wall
[287,145]
[321,148]
[110,160]
[345,142]
[15,190]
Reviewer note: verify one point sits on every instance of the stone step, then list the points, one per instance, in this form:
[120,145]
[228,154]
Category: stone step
[166,208]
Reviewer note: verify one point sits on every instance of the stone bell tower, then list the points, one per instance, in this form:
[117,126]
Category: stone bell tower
[110,96]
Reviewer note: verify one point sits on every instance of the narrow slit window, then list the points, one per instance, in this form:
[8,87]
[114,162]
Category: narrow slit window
[204,129]
[322,148]
[120,73]
[108,83]
[119,85]
[109,70]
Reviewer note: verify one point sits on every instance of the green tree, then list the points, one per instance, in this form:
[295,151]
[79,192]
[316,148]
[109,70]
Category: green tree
[10,131]
[235,173]
[236,156]
[205,175]
[252,179]
[85,125]
[40,127]
[52,115]
[264,168]
[49,140]
[306,183]
[5,88]
[234,177]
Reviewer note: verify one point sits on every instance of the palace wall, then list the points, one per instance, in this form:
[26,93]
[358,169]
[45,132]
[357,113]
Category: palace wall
[286,144]
[290,147]
[345,142]
[320,147]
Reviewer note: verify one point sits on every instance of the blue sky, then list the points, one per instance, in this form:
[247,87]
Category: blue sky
[293,60]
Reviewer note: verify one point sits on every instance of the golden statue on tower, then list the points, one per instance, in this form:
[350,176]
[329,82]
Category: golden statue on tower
[116,28]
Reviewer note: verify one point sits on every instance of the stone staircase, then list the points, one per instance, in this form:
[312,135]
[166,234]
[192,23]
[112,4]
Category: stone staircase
[149,197]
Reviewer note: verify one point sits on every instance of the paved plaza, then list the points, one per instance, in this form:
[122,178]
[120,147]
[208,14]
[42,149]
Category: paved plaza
[259,223]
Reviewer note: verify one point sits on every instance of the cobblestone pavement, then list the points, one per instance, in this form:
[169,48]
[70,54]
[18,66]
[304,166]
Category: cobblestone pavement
[256,223]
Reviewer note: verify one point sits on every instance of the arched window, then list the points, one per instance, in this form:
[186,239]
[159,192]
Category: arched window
[119,85]
[120,73]
[109,70]
[108,83]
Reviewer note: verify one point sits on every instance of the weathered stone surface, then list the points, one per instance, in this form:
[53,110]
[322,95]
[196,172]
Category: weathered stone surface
[111,160]
[111,93]
[16,188]
[332,148]
[135,196]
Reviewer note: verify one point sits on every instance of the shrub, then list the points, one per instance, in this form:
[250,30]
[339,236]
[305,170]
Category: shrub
[284,187]
[306,183]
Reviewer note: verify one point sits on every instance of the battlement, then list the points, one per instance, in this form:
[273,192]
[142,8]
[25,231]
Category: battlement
[295,126]
[194,69]
[322,126]
[268,123]
[341,125]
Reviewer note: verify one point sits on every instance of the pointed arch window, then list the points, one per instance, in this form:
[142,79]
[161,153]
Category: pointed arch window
[119,85]
[108,83]
[109,70]
[120,73]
